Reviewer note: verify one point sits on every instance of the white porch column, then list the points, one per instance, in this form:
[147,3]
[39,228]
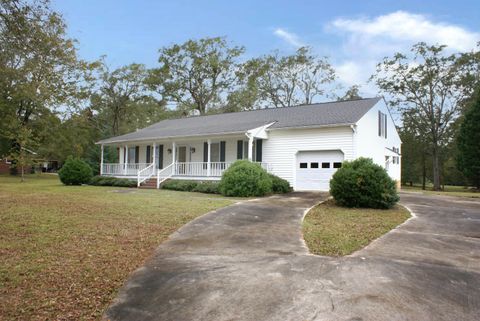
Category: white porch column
[101,160]
[250,148]
[174,157]
[209,153]
[154,160]
[126,160]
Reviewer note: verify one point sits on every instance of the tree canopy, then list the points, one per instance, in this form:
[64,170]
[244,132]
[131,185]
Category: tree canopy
[428,88]
[469,142]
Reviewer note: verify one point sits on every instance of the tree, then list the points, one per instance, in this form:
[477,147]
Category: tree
[428,86]
[352,93]
[468,143]
[414,154]
[290,80]
[197,74]
[39,69]
[120,91]
[21,154]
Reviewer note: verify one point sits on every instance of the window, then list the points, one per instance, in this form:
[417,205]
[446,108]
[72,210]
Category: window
[215,152]
[131,155]
[382,124]
[245,150]
[325,165]
[337,165]
[313,165]
[303,165]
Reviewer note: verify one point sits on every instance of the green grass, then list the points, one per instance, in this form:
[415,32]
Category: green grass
[449,190]
[65,250]
[332,230]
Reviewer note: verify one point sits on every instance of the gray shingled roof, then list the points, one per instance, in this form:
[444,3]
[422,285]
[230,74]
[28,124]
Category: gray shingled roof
[322,114]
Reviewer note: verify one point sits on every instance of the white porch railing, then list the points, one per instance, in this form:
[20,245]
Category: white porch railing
[113,169]
[145,174]
[144,171]
[163,174]
[123,169]
[200,168]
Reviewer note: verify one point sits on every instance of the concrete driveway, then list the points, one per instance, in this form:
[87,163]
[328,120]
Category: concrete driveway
[248,262]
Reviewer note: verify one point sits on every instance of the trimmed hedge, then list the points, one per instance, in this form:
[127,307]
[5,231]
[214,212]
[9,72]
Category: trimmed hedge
[179,185]
[362,183]
[279,185]
[112,181]
[75,172]
[244,178]
[192,186]
[207,187]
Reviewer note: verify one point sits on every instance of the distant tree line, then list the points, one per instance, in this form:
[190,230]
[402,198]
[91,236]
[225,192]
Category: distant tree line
[57,104]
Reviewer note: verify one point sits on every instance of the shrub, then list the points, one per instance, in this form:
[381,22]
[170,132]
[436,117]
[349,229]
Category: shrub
[362,183]
[279,185]
[244,178]
[207,187]
[112,181]
[124,182]
[180,185]
[75,172]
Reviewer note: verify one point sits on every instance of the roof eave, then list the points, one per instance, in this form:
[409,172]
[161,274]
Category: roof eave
[105,141]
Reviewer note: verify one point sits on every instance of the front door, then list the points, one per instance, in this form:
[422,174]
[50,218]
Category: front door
[182,159]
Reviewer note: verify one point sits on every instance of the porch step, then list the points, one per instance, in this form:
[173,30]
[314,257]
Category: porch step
[150,183]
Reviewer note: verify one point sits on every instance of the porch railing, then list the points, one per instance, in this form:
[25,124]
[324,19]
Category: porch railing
[164,173]
[123,169]
[143,171]
[200,168]
[145,174]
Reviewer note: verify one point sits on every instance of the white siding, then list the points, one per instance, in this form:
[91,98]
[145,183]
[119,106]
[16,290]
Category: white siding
[281,147]
[370,144]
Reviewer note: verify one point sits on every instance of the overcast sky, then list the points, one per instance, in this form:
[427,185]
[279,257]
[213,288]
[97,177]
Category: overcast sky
[355,35]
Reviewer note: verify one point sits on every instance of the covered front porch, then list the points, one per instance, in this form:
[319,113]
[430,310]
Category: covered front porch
[190,158]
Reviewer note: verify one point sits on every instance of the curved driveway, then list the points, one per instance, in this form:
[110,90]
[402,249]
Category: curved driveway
[248,262]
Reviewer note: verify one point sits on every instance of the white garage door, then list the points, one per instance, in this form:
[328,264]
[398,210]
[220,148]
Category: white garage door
[315,169]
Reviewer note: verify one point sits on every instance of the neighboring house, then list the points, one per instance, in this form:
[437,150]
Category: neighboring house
[38,163]
[303,144]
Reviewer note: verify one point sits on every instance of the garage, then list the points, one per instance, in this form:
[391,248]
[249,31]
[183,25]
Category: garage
[314,169]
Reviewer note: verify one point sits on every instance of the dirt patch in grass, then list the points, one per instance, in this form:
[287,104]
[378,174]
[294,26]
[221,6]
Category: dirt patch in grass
[332,230]
[65,251]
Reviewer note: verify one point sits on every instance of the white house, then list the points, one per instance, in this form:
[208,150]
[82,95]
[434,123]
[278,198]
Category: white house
[303,144]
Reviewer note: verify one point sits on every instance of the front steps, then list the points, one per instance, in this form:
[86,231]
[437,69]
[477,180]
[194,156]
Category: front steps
[150,183]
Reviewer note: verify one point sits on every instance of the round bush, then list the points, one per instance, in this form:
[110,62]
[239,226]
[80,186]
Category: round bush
[75,172]
[244,178]
[279,185]
[362,183]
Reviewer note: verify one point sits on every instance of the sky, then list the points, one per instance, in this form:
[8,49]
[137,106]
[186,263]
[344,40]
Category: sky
[354,35]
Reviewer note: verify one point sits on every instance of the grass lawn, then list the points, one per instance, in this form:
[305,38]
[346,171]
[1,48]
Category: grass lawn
[449,190]
[65,251]
[332,230]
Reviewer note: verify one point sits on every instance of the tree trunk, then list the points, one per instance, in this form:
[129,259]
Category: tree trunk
[424,171]
[23,173]
[436,169]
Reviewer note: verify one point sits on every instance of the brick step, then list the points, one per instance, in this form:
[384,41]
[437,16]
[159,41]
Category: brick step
[149,184]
